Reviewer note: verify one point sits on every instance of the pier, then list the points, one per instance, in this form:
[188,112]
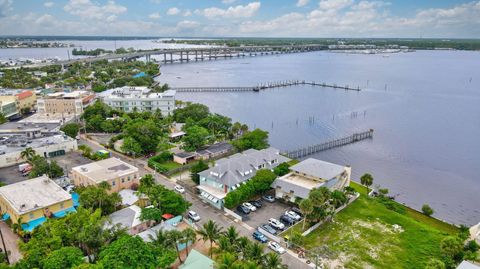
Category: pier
[309,150]
[265,86]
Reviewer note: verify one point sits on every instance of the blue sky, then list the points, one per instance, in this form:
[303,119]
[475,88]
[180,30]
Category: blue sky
[247,18]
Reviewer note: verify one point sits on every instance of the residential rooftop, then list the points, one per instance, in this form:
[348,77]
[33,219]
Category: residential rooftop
[107,169]
[31,194]
[242,166]
[128,217]
[318,168]
[128,92]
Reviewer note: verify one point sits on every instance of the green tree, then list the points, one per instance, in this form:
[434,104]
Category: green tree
[130,145]
[195,138]
[71,129]
[366,180]
[190,236]
[131,253]
[42,166]
[210,231]
[452,248]
[195,112]
[218,125]
[3,119]
[427,210]
[306,206]
[197,168]
[338,198]
[256,139]
[282,169]
[163,201]
[27,153]
[65,257]
[263,180]
[97,197]
[175,237]
[145,132]
[272,261]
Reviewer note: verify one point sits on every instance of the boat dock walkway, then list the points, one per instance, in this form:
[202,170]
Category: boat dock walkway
[265,86]
[309,150]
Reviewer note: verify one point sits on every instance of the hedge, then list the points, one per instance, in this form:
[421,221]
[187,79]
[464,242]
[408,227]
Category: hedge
[258,184]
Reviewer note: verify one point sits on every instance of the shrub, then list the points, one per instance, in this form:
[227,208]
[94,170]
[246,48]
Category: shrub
[257,184]
[427,210]
[197,168]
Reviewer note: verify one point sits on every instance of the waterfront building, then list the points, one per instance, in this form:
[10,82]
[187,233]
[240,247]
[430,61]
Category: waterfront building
[310,174]
[117,173]
[229,173]
[475,233]
[68,104]
[33,201]
[140,99]
[55,144]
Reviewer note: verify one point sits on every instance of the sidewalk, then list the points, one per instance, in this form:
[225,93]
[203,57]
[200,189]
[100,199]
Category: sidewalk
[11,242]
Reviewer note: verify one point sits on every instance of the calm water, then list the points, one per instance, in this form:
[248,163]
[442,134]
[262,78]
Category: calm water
[62,53]
[426,145]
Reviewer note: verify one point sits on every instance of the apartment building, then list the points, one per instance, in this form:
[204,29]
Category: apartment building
[140,99]
[68,103]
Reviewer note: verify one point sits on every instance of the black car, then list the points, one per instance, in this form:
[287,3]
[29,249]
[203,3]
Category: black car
[287,220]
[297,210]
[268,228]
[243,209]
[256,203]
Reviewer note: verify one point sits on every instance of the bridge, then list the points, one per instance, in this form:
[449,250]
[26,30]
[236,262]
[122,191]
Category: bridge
[309,150]
[191,54]
[264,86]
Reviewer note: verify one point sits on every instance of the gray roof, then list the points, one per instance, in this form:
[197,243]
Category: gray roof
[287,186]
[219,147]
[243,166]
[128,217]
[185,154]
[318,169]
[468,265]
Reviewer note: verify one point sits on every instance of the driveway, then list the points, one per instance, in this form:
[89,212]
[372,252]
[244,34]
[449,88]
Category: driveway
[11,243]
[263,214]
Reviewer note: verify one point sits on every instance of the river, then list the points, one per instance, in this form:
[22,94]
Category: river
[424,107]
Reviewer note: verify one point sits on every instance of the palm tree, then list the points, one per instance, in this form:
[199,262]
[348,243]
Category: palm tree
[231,234]
[174,237]
[367,180]
[227,260]
[28,153]
[272,261]
[190,236]
[160,239]
[224,245]
[254,252]
[210,231]
[306,206]
[242,244]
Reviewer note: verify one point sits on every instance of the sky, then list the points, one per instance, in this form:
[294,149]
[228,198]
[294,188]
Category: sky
[243,18]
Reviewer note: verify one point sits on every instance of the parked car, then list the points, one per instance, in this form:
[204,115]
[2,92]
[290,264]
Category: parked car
[276,247]
[293,215]
[256,203]
[285,219]
[243,209]
[250,206]
[193,216]
[179,189]
[276,224]
[297,210]
[260,237]
[269,198]
[268,228]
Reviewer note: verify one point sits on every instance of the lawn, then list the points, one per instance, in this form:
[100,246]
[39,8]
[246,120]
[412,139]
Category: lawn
[368,235]
[169,165]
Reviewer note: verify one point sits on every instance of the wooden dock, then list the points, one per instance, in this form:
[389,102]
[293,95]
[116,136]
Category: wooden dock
[265,86]
[302,152]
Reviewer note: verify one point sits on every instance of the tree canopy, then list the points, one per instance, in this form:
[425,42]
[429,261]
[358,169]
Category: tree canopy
[256,139]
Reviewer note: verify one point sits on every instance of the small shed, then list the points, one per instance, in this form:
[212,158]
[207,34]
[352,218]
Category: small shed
[183,157]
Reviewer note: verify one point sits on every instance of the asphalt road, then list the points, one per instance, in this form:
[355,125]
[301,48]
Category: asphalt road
[205,211]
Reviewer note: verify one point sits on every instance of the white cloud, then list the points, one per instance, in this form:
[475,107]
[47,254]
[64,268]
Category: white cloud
[5,7]
[301,3]
[239,11]
[334,4]
[227,2]
[173,11]
[88,10]
[155,16]
[187,13]
[48,4]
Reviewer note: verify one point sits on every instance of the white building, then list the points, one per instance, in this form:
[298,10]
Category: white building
[55,145]
[141,99]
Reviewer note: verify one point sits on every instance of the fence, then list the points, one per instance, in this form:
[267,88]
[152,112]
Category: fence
[233,214]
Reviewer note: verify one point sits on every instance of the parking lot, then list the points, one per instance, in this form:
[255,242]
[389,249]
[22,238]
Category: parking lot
[9,175]
[263,214]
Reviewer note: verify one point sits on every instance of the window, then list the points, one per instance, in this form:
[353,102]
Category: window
[62,205]
[129,178]
[123,180]
[31,216]
[113,182]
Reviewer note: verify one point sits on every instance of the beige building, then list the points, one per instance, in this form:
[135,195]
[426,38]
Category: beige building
[22,99]
[310,174]
[72,103]
[32,201]
[117,173]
